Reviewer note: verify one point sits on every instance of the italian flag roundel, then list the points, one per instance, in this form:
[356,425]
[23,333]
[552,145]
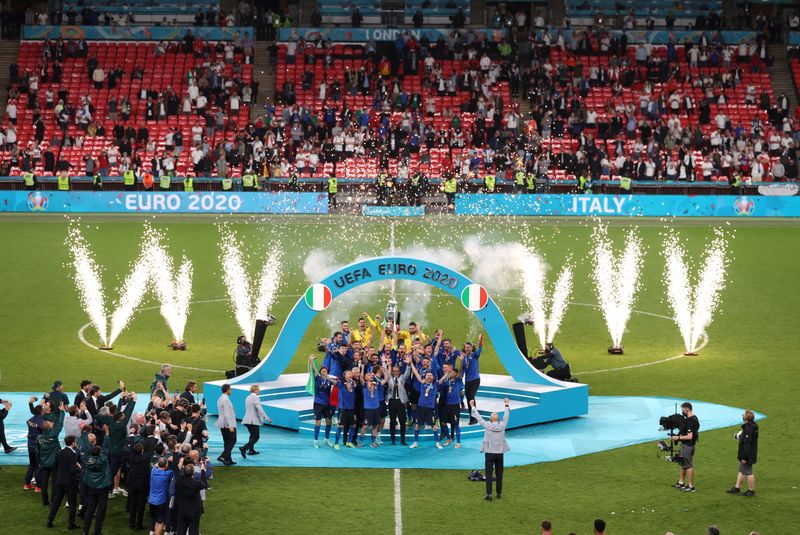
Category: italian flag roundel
[474,297]
[318,297]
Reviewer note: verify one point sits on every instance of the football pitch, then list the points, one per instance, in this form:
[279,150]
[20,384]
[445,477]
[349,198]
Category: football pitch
[749,361]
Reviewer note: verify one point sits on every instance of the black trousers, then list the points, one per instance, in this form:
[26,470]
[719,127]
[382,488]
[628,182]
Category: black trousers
[470,391]
[561,374]
[96,502]
[3,440]
[397,411]
[45,475]
[190,523]
[494,472]
[228,441]
[137,498]
[331,199]
[255,434]
[71,492]
[33,467]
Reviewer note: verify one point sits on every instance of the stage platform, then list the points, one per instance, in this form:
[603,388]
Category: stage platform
[612,422]
[286,401]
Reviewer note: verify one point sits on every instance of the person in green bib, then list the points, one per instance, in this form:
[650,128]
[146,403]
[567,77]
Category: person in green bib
[250,181]
[63,182]
[333,187]
[129,180]
[519,181]
[188,184]
[97,182]
[450,187]
[29,178]
[382,189]
[165,182]
[584,183]
[489,183]
[625,183]
[227,184]
[294,183]
[530,183]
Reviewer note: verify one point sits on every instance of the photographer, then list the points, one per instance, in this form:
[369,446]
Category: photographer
[688,439]
[747,454]
[244,356]
[551,356]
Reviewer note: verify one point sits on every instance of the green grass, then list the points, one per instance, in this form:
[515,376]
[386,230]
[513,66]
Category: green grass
[749,362]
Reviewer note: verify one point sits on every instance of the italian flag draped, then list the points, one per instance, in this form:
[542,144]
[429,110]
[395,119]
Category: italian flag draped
[474,297]
[318,297]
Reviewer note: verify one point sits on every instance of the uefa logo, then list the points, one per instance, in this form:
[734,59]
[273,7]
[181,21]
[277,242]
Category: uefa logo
[743,205]
[37,202]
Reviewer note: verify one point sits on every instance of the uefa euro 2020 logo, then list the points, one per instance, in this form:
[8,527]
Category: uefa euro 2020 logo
[37,202]
[743,205]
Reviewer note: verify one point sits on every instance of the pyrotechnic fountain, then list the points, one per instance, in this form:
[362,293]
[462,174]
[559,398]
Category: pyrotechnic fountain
[693,306]
[152,267]
[534,289]
[87,282]
[616,281]
[173,289]
[246,307]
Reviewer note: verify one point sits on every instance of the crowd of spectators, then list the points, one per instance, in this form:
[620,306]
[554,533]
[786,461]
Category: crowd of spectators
[97,448]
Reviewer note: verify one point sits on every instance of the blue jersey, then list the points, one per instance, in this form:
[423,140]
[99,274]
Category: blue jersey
[450,357]
[337,364]
[381,391]
[34,429]
[453,388]
[422,373]
[347,398]
[471,370]
[427,395]
[372,399]
[322,391]
[159,485]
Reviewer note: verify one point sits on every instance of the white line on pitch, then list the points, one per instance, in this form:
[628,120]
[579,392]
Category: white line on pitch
[398,512]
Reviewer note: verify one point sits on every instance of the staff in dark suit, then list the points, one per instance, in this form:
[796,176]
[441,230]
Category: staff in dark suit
[226,421]
[66,481]
[188,502]
[494,445]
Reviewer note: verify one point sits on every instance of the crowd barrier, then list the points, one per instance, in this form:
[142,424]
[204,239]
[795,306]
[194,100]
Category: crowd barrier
[362,35]
[133,33]
[628,205]
[657,37]
[163,203]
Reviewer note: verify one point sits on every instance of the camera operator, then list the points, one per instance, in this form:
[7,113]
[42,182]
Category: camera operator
[747,454]
[244,356]
[551,356]
[688,439]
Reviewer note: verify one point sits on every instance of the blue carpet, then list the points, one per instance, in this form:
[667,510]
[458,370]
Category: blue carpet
[613,422]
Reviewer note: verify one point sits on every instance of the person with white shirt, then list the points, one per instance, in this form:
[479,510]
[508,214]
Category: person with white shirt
[254,418]
[226,422]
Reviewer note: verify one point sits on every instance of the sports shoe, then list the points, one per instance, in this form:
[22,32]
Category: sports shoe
[749,493]
[349,445]
[328,442]
[37,489]
[447,442]
[123,492]
[488,497]
[438,446]
[458,445]
[679,485]
[733,490]
[336,447]
[688,489]
[373,445]
[414,445]
[316,444]
[28,487]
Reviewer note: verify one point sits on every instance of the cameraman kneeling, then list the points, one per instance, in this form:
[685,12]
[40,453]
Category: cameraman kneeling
[552,357]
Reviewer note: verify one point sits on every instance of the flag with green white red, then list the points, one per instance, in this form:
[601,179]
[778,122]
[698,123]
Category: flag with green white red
[318,297]
[474,297]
